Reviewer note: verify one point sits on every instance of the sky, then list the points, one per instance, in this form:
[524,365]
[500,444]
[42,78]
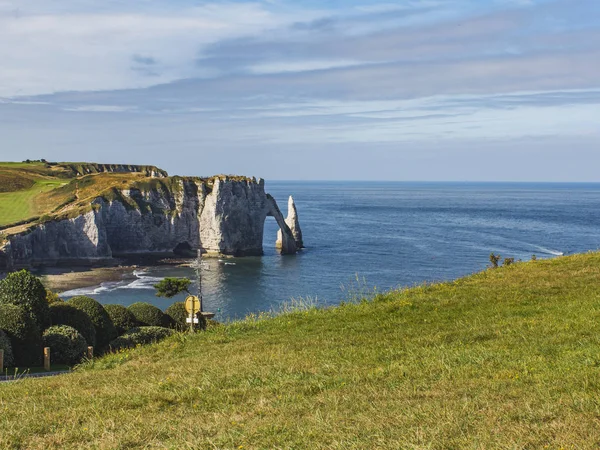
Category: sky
[442,90]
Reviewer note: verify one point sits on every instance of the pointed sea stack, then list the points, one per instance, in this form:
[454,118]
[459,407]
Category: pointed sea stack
[294,225]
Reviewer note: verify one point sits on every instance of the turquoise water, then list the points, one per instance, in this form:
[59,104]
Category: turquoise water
[389,233]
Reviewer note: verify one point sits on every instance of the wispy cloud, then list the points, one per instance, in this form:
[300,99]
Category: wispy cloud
[261,75]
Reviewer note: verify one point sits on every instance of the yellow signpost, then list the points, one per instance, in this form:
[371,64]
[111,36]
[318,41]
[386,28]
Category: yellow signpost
[193,305]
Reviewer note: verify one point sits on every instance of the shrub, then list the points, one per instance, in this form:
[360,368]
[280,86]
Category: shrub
[494,260]
[67,345]
[140,336]
[52,297]
[24,334]
[121,317]
[178,315]
[508,262]
[105,329]
[66,314]
[7,347]
[149,315]
[25,290]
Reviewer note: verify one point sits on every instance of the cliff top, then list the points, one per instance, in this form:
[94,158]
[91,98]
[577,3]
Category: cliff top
[37,191]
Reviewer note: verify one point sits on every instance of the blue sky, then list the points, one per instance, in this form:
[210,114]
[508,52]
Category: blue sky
[406,90]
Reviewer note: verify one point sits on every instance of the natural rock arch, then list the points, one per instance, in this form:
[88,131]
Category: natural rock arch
[285,238]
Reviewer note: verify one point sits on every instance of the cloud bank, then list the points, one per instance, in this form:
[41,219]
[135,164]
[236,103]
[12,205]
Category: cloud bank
[261,83]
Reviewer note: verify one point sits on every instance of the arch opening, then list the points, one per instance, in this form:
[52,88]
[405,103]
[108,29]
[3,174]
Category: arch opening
[184,249]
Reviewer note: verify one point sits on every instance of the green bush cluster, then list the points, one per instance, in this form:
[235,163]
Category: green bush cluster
[178,316]
[105,329]
[140,336]
[122,318]
[7,347]
[67,345]
[32,317]
[149,315]
[27,291]
[67,314]
[24,334]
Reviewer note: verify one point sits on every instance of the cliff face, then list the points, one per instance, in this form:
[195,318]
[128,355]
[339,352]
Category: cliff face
[222,216]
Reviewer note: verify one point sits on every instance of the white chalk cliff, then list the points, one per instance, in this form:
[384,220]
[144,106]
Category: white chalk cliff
[220,216]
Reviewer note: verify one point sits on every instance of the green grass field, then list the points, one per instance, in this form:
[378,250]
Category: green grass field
[505,359]
[21,205]
[30,190]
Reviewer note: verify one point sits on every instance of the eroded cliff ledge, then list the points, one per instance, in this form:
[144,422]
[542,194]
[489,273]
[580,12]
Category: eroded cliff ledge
[176,215]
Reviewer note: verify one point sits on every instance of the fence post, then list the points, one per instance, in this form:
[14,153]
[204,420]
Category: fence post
[1,360]
[90,352]
[47,358]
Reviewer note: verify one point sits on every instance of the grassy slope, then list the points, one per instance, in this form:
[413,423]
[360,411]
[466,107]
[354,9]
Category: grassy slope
[56,189]
[20,205]
[503,359]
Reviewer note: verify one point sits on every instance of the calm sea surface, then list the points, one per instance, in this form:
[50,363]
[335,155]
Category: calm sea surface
[390,234]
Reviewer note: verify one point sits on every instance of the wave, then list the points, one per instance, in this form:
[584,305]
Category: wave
[549,251]
[142,281]
[108,286]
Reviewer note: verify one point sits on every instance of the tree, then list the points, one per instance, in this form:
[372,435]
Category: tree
[170,287]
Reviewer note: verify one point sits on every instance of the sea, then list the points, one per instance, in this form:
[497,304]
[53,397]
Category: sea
[366,237]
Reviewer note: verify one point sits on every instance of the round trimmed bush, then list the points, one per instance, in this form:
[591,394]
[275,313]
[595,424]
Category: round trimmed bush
[178,315]
[149,315]
[67,345]
[122,318]
[66,314]
[24,334]
[140,336]
[7,347]
[105,329]
[27,291]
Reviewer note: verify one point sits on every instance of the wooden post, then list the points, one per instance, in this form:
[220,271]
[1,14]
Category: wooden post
[1,360]
[47,358]
[90,352]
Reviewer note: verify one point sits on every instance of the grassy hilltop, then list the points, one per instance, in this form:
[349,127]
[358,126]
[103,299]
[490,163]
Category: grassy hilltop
[508,358]
[38,191]
[30,191]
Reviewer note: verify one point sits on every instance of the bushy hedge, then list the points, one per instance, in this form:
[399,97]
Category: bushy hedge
[149,315]
[140,336]
[105,329]
[66,314]
[7,347]
[67,345]
[178,315]
[122,318]
[27,291]
[25,336]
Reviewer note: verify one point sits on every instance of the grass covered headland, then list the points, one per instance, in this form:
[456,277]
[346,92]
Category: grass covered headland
[508,358]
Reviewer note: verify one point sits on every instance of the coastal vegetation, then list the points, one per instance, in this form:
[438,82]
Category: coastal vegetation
[506,358]
[32,318]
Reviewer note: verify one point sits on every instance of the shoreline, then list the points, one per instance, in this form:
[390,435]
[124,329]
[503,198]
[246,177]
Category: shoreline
[67,278]
[93,276]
